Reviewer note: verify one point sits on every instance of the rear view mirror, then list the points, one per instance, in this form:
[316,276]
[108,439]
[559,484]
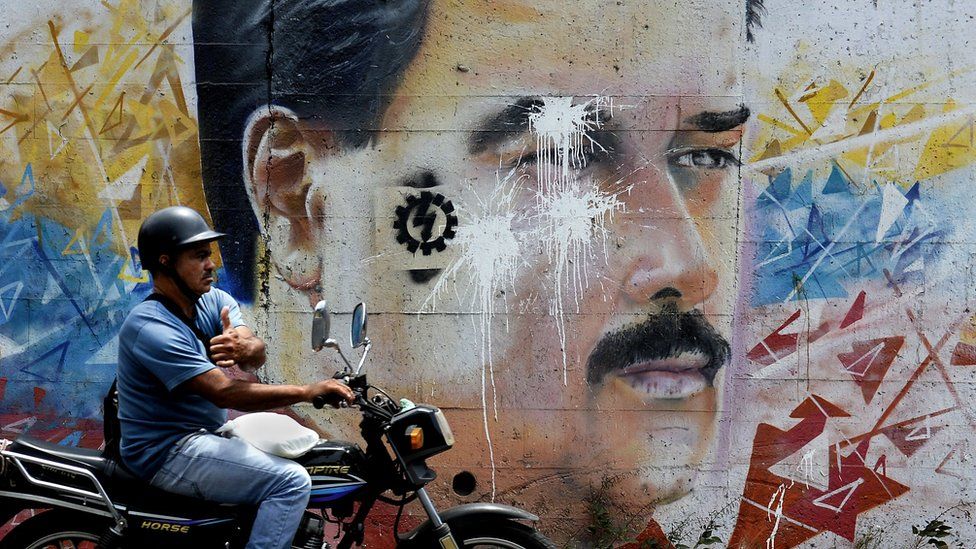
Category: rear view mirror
[320,325]
[358,333]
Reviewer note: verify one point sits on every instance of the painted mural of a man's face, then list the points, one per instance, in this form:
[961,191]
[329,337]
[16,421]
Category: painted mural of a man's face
[561,206]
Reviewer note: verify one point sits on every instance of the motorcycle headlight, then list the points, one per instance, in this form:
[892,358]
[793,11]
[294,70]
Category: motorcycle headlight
[444,427]
[420,432]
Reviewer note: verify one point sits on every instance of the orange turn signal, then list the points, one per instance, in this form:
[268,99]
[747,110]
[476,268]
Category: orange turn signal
[416,436]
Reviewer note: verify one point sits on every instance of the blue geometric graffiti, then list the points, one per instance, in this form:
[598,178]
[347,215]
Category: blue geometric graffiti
[62,302]
[23,191]
[817,238]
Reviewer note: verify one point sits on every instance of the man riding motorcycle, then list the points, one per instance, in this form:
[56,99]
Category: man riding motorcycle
[173,393]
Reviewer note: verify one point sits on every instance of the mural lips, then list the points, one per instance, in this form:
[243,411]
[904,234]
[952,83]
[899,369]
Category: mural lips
[671,354]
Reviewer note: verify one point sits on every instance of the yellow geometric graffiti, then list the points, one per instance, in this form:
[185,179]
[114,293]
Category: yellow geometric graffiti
[76,246]
[100,114]
[895,138]
[948,148]
[126,274]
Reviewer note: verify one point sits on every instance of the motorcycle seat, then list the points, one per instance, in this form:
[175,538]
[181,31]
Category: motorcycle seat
[86,457]
[122,484]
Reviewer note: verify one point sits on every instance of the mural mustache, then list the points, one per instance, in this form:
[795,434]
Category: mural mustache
[668,341]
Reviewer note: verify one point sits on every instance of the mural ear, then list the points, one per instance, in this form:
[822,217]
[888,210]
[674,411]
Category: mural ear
[276,155]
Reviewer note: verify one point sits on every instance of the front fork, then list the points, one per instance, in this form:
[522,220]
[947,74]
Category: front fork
[442,532]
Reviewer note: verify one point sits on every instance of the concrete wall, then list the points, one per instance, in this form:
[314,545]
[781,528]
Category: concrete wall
[659,275]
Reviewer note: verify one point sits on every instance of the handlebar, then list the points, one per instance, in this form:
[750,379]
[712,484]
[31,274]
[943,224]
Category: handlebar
[321,401]
[356,383]
[385,408]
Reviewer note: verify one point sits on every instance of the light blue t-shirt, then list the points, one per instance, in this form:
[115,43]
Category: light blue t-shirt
[158,352]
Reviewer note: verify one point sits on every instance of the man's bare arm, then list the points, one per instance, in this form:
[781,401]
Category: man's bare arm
[246,396]
[237,346]
[250,354]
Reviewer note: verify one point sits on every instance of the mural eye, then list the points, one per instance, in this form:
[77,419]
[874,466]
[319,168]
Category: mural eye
[709,159]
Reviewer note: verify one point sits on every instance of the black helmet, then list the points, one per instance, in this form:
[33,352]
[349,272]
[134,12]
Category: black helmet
[169,230]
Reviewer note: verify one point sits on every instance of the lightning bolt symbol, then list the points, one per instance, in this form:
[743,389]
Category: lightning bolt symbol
[426,217]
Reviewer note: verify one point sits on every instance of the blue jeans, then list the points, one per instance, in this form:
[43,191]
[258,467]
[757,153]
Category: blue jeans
[229,470]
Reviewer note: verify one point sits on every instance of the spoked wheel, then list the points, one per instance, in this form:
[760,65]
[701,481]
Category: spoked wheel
[499,535]
[66,540]
[55,530]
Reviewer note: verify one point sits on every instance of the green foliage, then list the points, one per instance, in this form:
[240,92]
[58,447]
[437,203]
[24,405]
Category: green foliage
[604,529]
[705,539]
[871,539]
[934,533]
[610,525]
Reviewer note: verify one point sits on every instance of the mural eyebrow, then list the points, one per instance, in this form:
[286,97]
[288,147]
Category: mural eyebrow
[714,122]
[422,180]
[504,125]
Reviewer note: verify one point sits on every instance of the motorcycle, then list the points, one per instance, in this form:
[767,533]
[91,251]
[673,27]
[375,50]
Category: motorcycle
[94,502]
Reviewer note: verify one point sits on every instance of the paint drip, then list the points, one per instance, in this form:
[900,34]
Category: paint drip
[780,493]
[490,254]
[805,467]
[571,220]
[571,212]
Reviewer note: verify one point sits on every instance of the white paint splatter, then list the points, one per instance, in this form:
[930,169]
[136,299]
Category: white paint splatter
[571,219]
[490,254]
[571,212]
[563,135]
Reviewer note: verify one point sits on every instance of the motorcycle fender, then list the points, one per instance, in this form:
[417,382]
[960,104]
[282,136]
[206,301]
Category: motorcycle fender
[418,538]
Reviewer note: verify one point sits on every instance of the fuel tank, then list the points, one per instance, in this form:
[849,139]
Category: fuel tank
[338,470]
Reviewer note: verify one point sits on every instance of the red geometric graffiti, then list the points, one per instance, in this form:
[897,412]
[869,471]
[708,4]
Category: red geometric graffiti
[950,464]
[798,512]
[963,355]
[39,394]
[857,311]
[909,438]
[869,362]
[776,345]
[52,428]
[910,435]
[652,536]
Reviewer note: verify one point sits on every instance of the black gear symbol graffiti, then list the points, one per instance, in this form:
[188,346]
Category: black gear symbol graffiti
[425,216]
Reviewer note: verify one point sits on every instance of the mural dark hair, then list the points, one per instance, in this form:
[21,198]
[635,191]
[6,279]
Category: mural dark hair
[334,61]
[754,11]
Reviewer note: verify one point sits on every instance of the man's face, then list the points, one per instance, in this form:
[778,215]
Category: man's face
[195,266]
[594,185]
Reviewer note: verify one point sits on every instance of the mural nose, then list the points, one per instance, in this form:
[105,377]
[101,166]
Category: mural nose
[682,275]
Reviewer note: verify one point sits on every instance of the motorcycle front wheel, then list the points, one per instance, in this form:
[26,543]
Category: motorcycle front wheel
[498,534]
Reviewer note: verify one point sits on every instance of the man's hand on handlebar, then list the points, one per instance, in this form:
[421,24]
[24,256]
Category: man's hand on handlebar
[332,391]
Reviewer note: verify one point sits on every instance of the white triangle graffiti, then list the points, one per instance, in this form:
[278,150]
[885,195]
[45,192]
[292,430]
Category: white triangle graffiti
[849,488]
[51,291]
[51,132]
[8,301]
[21,425]
[892,204]
[870,355]
[125,186]
[920,433]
